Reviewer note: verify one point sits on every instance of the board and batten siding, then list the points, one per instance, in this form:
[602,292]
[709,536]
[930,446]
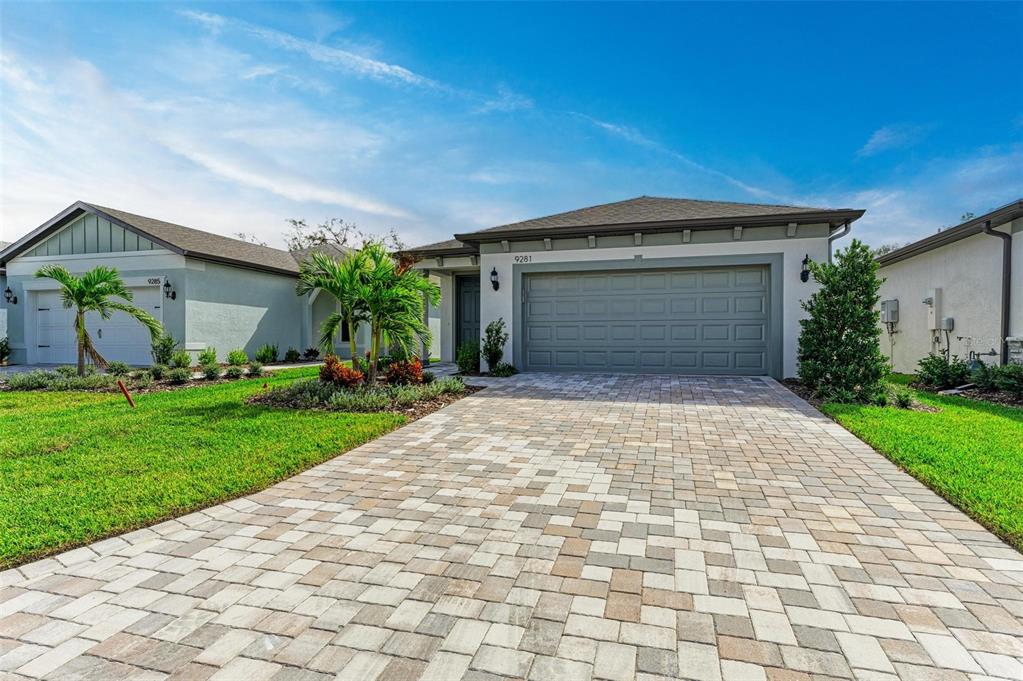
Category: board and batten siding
[91,234]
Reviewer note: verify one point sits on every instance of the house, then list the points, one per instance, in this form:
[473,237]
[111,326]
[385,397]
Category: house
[3,287]
[643,285]
[959,291]
[206,289]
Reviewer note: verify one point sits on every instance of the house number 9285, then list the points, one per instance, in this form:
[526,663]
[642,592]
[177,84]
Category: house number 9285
[155,280]
[523,258]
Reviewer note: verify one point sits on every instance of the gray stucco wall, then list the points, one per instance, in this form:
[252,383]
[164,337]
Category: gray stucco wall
[231,307]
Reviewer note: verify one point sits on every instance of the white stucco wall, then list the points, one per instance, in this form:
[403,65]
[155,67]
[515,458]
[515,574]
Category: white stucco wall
[969,274]
[500,303]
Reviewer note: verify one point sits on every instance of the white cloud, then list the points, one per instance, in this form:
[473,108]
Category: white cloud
[898,136]
[505,101]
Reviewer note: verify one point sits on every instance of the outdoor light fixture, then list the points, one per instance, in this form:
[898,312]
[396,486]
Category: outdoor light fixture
[167,292]
[804,276]
[10,297]
[493,279]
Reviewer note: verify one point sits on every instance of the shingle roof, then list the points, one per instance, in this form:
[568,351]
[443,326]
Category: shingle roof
[449,247]
[197,242]
[645,210]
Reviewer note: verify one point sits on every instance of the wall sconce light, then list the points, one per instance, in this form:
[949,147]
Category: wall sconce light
[493,279]
[804,275]
[167,292]
[10,297]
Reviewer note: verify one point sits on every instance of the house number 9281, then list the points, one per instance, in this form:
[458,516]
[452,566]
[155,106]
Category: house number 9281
[523,258]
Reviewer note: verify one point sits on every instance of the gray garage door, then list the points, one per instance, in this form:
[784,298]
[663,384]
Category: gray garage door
[687,321]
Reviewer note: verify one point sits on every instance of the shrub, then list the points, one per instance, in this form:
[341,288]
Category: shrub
[5,349]
[362,400]
[429,377]
[255,368]
[208,356]
[984,377]
[237,358]
[181,360]
[233,372]
[179,375]
[143,379]
[118,368]
[40,379]
[1009,377]
[210,372]
[158,371]
[405,372]
[503,369]
[292,355]
[494,339]
[938,372]
[468,357]
[839,344]
[163,349]
[311,354]
[337,373]
[314,394]
[902,398]
[267,353]
[68,371]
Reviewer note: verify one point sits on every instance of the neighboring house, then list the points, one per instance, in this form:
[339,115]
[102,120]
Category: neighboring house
[960,291]
[206,289]
[643,285]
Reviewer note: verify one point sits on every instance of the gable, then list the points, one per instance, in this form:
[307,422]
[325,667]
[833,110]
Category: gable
[91,233]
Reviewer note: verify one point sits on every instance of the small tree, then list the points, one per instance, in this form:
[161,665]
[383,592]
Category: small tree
[840,343]
[493,343]
[95,291]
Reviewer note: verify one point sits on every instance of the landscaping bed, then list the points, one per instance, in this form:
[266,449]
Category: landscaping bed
[79,466]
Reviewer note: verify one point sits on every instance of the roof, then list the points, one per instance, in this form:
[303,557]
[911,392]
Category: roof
[654,213]
[999,216]
[188,241]
[449,247]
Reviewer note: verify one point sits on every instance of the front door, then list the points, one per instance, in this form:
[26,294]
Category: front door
[467,310]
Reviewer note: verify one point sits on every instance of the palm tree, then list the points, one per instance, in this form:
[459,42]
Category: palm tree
[343,280]
[92,292]
[394,296]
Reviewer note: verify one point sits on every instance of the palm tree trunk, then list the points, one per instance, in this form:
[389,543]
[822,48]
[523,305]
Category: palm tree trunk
[374,353]
[80,333]
[352,344]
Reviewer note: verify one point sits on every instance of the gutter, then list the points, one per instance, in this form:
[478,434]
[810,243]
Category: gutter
[838,235]
[1006,285]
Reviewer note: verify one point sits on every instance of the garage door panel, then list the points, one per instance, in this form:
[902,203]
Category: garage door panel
[683,321]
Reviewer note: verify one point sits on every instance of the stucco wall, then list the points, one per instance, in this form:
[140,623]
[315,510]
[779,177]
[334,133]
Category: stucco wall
[500,303]
[969,274]
[231,307]
[146,264]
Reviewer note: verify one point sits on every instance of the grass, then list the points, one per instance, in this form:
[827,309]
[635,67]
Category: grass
[969,452]
[76,466]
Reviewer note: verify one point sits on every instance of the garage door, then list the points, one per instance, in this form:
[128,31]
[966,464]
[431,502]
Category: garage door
[119,338]
[690,321]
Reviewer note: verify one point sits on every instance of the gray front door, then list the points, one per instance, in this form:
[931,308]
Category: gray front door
[468,313]
[684,321]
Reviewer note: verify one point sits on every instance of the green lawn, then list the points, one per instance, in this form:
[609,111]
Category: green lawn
[969,452]
[75,467]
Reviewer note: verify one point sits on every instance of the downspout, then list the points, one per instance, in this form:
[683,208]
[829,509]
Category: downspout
[1006,285]
[838,235]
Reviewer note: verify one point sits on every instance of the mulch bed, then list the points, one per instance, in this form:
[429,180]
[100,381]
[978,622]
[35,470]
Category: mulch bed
[412,413]
[807,394]
[1006,399]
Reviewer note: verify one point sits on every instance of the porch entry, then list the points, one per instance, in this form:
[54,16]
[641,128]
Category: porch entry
[467,309]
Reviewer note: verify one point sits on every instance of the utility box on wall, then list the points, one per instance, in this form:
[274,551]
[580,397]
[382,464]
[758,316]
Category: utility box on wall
[933,303]
[889,311]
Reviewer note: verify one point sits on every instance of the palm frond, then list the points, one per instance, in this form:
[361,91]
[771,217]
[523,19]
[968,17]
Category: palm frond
[328,331]
[143,317]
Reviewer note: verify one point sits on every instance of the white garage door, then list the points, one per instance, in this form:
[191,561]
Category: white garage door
[119,338]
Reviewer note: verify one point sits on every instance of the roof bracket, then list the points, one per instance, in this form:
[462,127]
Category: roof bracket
[505,246]
[592,241]
[737,233]
[687,235]
[791,231]
[474,260]
[637,238]
[547,245]
[440,260]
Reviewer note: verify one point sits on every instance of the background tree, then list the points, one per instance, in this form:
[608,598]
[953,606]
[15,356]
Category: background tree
[251,238]
[840,342]
[95,291]
[343,279]
[335,232]
[885,248]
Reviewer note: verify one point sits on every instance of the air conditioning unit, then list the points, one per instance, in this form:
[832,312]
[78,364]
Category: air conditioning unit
[889,311]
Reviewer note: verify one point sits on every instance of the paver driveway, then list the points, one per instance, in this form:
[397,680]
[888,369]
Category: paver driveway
[553,527]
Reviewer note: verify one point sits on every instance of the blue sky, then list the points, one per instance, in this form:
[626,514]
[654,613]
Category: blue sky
[437,118]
